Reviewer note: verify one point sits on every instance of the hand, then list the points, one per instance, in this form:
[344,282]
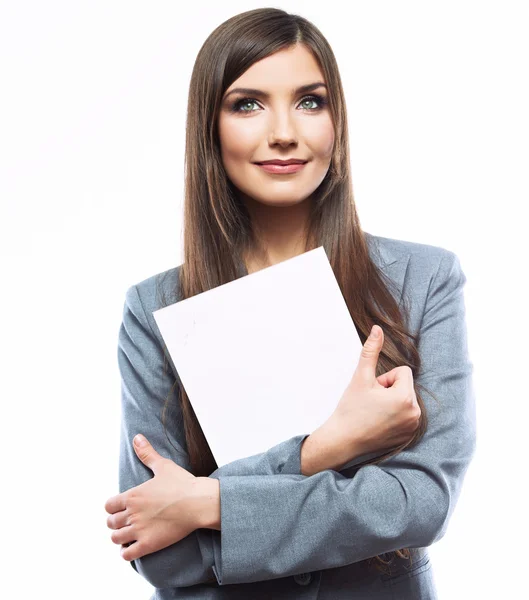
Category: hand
[378,412]
[157,513]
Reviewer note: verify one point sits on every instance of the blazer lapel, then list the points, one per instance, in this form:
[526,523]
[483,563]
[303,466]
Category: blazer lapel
[391,262]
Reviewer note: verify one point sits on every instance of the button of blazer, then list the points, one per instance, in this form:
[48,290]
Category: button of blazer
[303,578]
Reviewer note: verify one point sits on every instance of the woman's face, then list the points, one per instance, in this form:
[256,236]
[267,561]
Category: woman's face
[278,123]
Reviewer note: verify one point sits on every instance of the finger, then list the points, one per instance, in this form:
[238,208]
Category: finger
[403,377]
[133,552]
[115,504]
[123,535]
[388,379]
[117,520]
[367,363]
[401,374]
[402,381]
[146,453]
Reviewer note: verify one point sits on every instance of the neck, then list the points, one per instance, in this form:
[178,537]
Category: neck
[280,233]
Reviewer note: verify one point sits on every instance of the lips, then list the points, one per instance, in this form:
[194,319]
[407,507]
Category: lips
[291,161]
[281,169]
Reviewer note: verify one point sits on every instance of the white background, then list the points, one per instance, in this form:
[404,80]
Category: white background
[92,114]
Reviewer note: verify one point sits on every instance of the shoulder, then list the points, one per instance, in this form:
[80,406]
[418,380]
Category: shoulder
[152,293]
[160,289]
[425,259]
[421,276]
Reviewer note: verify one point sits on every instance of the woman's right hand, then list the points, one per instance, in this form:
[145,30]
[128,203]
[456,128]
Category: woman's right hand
[377,413]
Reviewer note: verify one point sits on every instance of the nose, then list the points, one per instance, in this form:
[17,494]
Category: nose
[282,131]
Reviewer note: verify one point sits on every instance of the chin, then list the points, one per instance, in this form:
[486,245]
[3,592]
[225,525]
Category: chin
[280,201]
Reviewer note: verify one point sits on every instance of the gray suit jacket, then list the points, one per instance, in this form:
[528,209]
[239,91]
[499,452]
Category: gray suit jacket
[285,535]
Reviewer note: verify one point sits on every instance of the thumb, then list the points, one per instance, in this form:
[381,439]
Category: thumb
[367,363]
[146,453]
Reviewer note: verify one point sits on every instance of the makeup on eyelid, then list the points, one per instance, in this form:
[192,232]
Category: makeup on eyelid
[235,107]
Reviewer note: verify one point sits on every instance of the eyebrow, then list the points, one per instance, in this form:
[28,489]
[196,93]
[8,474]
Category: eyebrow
[251,91]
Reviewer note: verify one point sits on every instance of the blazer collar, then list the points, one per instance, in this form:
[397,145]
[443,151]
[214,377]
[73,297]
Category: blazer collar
[392,262]
[380,252]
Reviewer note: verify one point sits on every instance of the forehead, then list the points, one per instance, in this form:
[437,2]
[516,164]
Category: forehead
[282,71]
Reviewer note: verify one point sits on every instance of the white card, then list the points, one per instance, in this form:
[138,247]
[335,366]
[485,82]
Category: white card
[265,357]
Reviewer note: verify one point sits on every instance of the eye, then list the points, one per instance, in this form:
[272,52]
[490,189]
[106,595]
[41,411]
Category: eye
[310,99]
[240,103]
[320,102]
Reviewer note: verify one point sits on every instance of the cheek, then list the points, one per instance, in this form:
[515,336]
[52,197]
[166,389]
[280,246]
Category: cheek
[322,139]
[238,140]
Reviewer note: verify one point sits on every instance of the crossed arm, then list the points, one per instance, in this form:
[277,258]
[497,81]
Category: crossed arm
[325,448]
[268,526]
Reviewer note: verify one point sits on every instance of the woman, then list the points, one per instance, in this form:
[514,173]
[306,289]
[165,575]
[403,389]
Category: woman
[297,520]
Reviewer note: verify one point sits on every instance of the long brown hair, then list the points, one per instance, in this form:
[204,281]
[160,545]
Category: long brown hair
[217,225]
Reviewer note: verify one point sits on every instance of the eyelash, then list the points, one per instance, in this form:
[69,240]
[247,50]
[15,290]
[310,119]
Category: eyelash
[235,107]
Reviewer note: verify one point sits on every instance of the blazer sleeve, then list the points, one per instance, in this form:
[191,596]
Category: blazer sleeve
[282,524]
[145,385]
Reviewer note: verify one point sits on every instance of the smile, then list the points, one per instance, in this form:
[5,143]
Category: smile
[282,169]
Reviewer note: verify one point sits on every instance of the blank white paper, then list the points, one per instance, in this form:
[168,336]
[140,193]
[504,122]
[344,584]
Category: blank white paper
[265,357]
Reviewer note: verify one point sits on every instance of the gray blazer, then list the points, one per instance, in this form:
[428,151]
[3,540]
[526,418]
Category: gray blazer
[285,535]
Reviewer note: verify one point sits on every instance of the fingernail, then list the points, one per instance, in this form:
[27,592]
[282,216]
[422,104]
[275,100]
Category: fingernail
[139,440]
[375,331]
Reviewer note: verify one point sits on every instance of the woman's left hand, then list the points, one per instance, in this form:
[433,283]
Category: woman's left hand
[157,513]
